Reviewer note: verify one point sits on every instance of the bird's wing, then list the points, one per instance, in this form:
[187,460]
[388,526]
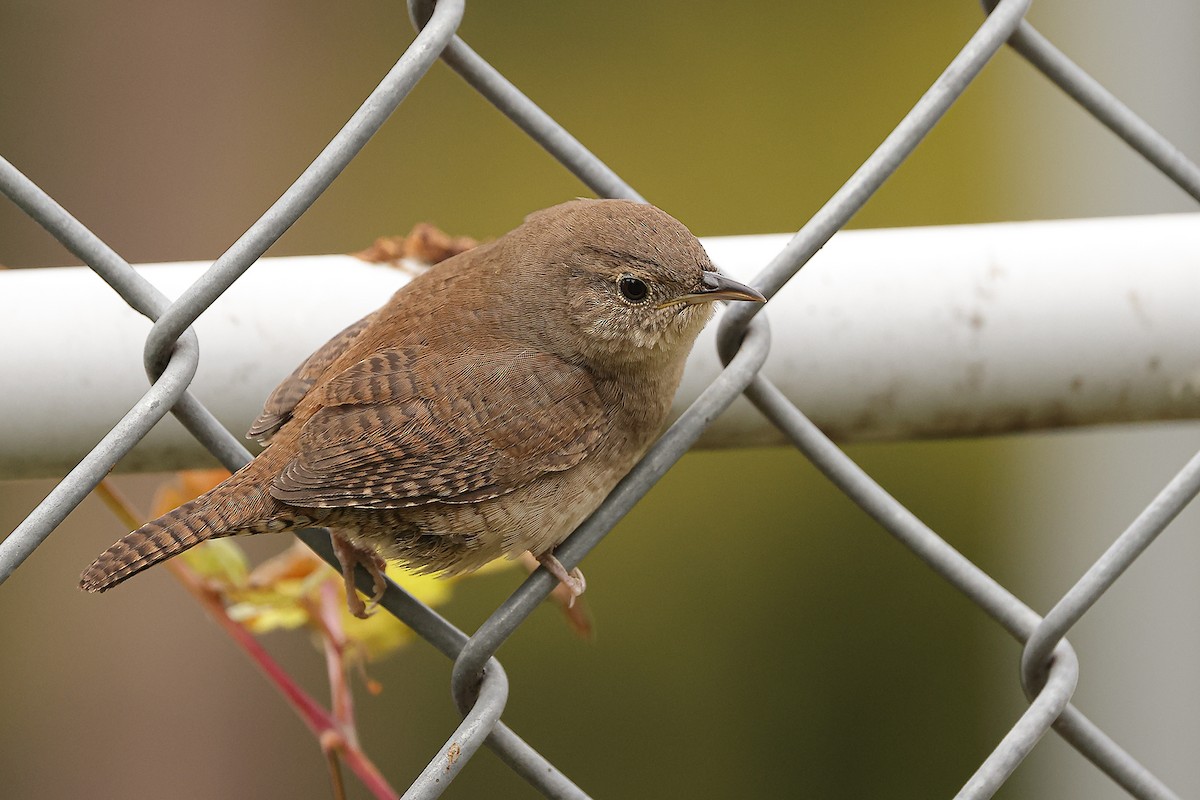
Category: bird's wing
[403,428]
[279,406]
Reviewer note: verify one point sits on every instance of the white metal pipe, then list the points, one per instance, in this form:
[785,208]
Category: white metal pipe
[887,334]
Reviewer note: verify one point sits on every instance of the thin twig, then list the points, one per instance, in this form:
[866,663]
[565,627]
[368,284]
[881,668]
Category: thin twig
[318,720]
[327,615]
[332,748]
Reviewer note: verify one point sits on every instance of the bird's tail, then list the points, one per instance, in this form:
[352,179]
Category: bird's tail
[224,511]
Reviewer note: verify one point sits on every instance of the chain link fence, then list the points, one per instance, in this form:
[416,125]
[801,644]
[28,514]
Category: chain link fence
[1049,667]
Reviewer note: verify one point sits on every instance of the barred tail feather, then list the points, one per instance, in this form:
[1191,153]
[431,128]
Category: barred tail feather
[169,535]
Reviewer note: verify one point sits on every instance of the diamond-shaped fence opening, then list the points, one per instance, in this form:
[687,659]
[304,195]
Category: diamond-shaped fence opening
[1049,667]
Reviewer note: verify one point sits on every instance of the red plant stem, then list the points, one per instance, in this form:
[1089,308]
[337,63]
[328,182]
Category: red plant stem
[318,720]
[311,712]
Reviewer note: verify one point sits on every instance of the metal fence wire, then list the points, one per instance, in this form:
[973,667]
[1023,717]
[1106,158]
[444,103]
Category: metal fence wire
[1049,668]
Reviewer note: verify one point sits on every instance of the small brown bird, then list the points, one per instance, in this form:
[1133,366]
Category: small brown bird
[485,410]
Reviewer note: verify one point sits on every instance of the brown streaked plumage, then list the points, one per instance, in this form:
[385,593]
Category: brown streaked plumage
[485,410]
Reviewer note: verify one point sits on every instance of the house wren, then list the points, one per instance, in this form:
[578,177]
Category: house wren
[485,410]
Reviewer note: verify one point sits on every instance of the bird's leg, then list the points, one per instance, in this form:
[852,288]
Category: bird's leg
[573,580]
[351,555]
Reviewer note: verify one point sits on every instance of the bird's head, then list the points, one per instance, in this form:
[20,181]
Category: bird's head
[635,285]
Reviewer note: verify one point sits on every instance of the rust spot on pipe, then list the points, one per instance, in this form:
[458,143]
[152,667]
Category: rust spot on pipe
[452,755]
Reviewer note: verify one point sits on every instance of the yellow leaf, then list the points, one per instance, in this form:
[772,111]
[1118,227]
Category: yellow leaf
[219,560]
[376,636]
[282,605]
[263,618]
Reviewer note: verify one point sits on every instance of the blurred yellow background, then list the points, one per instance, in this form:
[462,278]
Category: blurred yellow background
[757,635]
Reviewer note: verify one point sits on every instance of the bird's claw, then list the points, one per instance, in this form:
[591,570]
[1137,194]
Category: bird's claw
[573,580]
[350,556]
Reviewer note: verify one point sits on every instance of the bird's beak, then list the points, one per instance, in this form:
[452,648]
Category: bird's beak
[716,287]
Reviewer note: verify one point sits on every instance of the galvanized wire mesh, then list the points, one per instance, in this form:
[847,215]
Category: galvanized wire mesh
[1049,668]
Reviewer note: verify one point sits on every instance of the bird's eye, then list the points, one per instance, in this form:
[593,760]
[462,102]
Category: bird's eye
[633,289]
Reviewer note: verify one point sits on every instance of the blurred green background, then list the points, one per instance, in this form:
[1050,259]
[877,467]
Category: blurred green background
[757,635]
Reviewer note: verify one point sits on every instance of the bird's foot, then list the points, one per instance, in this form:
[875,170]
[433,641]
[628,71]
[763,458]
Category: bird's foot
[350,556]
[573,580]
